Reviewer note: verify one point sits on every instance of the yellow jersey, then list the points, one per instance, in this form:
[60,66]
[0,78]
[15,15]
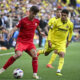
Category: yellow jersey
[61,31]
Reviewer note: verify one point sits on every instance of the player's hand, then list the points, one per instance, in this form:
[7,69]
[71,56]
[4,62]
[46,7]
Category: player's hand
[42,34]
[49,43]
[9,36]
[67,44]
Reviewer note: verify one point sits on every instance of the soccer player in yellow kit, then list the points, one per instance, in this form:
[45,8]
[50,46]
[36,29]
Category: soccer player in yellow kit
[62,29]
[50,23]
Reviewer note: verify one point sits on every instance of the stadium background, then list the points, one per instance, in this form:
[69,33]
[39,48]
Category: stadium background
[11,11]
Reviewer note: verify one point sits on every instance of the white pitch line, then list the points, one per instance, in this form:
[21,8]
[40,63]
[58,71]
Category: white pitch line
[6,54]
[12,53]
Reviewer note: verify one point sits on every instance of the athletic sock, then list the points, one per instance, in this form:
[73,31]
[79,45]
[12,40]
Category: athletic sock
[35,64]
[9,62]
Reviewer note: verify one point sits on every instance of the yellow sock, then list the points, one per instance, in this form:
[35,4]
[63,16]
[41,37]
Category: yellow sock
[61,62]
[41,52]
[53,57]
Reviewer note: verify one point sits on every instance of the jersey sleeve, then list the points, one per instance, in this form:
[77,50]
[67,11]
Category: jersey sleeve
[50,22]
[49,35]
[19,24]
[70,32]
[51,29]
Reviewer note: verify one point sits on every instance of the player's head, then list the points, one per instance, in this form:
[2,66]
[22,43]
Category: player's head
[64,15]
[33,11]
[58,13]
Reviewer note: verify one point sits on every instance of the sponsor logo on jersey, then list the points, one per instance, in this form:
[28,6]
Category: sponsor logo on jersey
[36,24]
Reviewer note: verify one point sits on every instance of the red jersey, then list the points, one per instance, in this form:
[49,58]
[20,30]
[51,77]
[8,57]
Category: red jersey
[27,29]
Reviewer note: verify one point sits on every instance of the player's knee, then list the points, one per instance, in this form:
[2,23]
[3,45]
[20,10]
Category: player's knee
[61,54]
[17,55]
[55,51]
[34,54]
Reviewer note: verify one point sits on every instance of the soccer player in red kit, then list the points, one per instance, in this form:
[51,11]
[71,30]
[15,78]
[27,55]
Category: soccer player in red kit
[24,42]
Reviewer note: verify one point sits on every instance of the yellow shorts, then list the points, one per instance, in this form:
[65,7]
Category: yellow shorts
[60,47]
[55,46]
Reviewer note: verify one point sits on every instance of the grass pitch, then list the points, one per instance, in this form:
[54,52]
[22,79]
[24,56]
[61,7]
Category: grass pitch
[71,69]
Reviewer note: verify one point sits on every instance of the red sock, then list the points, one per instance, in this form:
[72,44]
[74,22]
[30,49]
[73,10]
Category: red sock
[9,62]
[35,64]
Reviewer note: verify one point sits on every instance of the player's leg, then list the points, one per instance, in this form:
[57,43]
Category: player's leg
[11,60]
[49,50]
[52,59]
[34,63]
[45,51]
[61,63]
[42,51]
[32,52]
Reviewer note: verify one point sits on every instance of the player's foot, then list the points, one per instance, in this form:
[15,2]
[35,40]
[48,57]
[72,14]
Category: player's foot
[2,70]
[58,74]
[38,54]
[36,77]
[49,66]
[46,53]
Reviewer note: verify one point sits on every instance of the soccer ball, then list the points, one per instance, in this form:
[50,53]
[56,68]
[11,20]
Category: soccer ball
[18,73]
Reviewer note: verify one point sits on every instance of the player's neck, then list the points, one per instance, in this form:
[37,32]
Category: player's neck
[64,21]
[57,17]
[31,19]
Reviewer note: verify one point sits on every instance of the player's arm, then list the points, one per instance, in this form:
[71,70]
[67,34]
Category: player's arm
[49,33]
[11,32]
[46,29]
[50,23]
[5,31]
[49,38]
[40,31]
[14,29]
[70,34]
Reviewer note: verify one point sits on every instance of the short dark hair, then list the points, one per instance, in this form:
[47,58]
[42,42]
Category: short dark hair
[65,11]
[35,9]
[59,9]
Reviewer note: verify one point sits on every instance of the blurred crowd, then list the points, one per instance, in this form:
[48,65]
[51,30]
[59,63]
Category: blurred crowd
[11,11]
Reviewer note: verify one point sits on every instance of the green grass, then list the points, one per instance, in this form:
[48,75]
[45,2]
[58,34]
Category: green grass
[71,69]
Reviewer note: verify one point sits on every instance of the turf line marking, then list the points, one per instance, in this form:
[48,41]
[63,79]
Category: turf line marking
[12,53]
[6,54]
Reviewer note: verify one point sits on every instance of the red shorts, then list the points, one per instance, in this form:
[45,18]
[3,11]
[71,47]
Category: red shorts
[24,46]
